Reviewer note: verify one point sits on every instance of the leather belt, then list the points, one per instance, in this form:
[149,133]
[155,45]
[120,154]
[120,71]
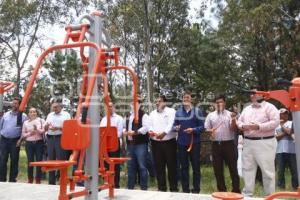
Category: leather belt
[259,138]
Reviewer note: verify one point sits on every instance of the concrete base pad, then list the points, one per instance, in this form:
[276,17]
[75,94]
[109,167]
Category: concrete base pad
[24,191]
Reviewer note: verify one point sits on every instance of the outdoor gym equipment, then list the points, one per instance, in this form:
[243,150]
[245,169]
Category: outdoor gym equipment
[291,100]
[227,196]
[89,143]
[4,87]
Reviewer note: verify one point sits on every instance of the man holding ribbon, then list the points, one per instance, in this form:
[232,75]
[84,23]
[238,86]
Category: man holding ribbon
[163,143]
[189,123]
[222,125]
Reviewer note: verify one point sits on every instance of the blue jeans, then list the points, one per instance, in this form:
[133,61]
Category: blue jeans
[34,152]
[184,158]
[284,160]
[8,149]
[138,154]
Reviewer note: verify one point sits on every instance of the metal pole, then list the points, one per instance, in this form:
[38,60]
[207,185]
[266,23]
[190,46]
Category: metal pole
[92,155]
[1,102]
[296,124]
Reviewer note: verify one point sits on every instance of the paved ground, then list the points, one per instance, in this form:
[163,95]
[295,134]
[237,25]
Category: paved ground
[23,191]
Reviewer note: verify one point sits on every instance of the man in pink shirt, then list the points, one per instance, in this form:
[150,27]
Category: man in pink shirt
[221,124]
[258,121]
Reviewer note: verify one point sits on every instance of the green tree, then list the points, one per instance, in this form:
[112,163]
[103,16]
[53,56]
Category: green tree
[263,40]
[145,29]
[22,25]
[65,70]
[40,95]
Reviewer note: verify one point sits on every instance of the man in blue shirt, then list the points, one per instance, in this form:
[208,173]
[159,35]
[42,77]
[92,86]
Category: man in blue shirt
[10,133]
[189,123]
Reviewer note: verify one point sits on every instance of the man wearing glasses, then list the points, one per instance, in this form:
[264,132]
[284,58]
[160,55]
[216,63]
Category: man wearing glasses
[258,121]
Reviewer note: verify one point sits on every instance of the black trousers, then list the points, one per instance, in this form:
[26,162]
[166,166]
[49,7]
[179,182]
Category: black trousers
[284,160]
[34,152]
[8,149]
[164,155]
[185,158]
[116,154]
[55,152]
[225,152]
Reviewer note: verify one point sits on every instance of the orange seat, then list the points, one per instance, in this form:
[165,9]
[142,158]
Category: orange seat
[109,138]
[227,195]
[109,142]
[75,137]
[53,164]
[118,160]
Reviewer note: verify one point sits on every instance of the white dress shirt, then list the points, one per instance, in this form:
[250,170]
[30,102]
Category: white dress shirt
[162,122]
[57,121]
[115,121]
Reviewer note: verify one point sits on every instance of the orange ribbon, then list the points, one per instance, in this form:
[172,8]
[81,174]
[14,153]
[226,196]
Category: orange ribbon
[191,143]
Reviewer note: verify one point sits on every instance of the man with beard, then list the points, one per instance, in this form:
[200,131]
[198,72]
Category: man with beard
[10,132]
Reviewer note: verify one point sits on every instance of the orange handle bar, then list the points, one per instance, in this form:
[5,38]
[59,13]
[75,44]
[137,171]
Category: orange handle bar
[39,62]
[90,88]
[5,86]
[135,86]
[284,194]
[280,95]
[106,99]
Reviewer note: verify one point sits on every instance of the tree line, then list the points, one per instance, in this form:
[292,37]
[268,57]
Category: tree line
[255,43]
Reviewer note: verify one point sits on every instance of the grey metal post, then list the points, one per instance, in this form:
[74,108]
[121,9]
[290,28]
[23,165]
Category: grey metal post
[296,124]
[1,102]
[92,155]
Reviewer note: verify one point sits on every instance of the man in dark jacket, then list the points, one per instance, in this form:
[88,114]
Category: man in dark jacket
[137,147]
[189,123]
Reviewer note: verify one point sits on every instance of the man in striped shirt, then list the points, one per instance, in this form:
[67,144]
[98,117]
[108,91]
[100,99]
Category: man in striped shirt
[222,125]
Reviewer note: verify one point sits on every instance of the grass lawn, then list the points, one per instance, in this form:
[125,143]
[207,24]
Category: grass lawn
[208,183]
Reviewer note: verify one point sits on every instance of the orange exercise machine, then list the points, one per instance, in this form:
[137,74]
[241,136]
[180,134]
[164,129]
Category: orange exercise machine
[89,143]
[4,87]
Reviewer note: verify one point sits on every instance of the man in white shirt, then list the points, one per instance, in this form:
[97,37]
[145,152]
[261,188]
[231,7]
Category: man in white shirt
[54,125]
[163,142]
[115,121]
[285,153]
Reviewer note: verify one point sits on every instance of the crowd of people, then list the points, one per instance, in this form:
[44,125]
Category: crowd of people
[166,142]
